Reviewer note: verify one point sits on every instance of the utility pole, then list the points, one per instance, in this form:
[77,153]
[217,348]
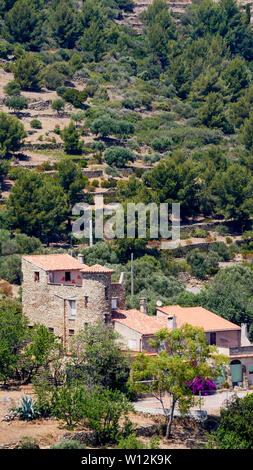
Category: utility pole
[71,246]
[132,274]
[91,236]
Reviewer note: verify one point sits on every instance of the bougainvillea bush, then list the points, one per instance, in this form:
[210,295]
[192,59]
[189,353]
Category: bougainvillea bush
[205,386]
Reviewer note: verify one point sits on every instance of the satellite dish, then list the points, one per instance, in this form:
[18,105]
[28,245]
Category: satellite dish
[159,303]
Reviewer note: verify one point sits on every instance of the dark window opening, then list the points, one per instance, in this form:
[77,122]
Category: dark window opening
[86,300]
[51,330]
[67,276]
[71,332]
[36,276]
[212,338]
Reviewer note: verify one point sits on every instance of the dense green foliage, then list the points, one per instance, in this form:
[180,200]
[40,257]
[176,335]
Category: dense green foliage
[235,427]
[98,360]
[37,206]
[238,306]
[12,333]
[12,134]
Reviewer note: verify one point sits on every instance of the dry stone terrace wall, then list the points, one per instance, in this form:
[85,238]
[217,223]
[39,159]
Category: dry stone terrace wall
[176,7]
[48,303]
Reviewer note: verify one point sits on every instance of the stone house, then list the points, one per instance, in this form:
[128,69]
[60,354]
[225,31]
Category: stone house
[64,294]
[218,330]
[136,328]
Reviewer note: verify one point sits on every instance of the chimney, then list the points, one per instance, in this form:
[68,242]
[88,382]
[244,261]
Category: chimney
[143,305]
[244,335]
[172,322]
[80,258]
[122,279]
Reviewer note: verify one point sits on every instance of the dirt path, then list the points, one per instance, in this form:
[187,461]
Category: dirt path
[211,404]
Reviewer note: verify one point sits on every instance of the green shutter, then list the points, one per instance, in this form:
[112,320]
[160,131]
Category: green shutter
[236,372]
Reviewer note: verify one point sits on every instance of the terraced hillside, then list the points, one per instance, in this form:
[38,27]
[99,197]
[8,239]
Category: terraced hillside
[177,7]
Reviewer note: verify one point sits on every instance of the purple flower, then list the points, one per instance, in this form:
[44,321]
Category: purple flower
[201,385]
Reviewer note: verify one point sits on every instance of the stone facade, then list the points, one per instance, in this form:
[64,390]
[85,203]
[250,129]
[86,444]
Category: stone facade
[226,339]
[129,338]
[66,306]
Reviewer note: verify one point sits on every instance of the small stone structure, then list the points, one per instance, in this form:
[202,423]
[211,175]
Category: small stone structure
[64,294]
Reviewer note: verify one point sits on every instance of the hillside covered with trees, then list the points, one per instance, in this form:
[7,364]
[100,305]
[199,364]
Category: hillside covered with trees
[171,104]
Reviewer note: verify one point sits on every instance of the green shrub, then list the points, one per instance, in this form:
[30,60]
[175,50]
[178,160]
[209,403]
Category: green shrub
[27,72]
[68,444]
[12,88]
[52,79]
[36,124]
[82,163]
[222,229]
[98,410]
[151,158]
[28,443]
[75,97]
[111,171]
[132,442]
[71,138]
[98,145]
[162,144]
[91,88]
[199,233]
[10,268]
[5,49]
[111,183]
[221,249]
[118,156]
[102,94]
[235,429]
[17,102]
[129,103]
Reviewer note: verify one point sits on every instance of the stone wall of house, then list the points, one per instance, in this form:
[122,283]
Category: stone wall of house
[227,339]
[49,303]
[129,338]
[118,290]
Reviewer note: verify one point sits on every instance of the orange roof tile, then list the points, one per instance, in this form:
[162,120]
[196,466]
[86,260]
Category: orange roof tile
[96,268]
[55,262]
[138,321]
[198,316]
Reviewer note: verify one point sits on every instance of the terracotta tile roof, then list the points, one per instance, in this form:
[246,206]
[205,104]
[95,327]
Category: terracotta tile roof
[96,268]
[138,321]
[198,316]
[55,262]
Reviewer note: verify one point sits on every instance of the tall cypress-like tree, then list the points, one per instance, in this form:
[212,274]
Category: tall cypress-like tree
[64,23]
[38,206]
[23,23]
